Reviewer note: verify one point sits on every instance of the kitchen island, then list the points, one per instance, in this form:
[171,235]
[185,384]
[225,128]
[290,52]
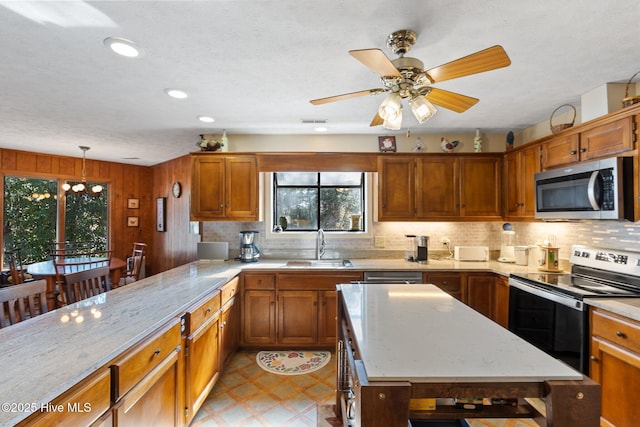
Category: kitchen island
[402,342]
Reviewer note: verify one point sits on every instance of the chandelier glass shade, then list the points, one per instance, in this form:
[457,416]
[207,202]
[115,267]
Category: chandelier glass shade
[390,110]
[422,109]
[394,124]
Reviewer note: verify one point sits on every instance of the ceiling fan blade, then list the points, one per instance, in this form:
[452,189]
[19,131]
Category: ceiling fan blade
[377,120]
[376,61]
[346,96]
[479,62]
[451,100]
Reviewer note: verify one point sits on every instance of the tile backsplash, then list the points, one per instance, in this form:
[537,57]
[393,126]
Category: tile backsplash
[610,234]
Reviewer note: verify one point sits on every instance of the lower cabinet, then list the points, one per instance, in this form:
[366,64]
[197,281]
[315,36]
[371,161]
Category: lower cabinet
[146,379]
[451,283]
[479,293]
[84,404]
[615,365]
[501,301]
[201,352]
[299,309]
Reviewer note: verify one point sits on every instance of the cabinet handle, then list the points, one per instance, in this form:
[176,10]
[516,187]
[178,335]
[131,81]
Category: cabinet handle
[573,152]
[221,205]
[444,282]
[583,150]
[621,334]
[207,311]
[593,359]
[157,352]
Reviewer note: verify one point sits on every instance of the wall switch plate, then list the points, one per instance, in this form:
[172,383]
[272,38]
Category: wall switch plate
[378,241]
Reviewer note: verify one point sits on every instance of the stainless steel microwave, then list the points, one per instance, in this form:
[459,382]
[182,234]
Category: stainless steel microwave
[601,189]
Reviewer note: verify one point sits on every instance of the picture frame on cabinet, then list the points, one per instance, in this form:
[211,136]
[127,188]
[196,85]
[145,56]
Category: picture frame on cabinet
[387,144]
[161,216]
[133,221]
[133,203]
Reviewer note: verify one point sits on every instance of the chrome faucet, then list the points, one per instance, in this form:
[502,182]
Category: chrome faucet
[321,243]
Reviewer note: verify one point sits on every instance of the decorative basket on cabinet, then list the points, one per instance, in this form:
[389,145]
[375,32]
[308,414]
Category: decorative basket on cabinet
[562,126]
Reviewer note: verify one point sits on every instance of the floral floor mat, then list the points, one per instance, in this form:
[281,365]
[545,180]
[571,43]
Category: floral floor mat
[292,362]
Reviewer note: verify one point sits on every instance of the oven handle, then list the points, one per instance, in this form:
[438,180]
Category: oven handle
[591,190]
[572,303]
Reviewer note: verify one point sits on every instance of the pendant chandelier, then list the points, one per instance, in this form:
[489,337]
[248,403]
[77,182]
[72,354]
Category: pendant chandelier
[81,187]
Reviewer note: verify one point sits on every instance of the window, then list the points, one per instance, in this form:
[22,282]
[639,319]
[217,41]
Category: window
[307,201]
[33,218]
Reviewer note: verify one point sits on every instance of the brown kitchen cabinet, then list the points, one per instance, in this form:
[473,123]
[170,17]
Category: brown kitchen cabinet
[259,309]
[451,283]
[501,300]
[519,170]
[595,142]
[202,352]
[300,310]
[224,187]
[89,402]
[439,187]
[146,381]
[479,293]
[229,321]
[615,365]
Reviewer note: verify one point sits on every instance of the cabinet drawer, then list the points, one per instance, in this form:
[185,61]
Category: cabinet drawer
[134,365]
[259,281]
[229,290]
[315,280]
[450,283]
[83,404]
[624,332]
[203,311]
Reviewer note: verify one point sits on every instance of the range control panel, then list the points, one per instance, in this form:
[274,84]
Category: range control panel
[607,259]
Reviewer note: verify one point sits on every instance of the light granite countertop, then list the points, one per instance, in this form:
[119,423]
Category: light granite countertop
[45,356]
[470,347]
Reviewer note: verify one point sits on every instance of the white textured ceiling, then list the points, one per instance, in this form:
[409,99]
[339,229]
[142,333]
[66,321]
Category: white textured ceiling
[254,66]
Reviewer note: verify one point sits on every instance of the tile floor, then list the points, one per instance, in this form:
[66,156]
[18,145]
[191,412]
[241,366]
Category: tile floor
[247,396]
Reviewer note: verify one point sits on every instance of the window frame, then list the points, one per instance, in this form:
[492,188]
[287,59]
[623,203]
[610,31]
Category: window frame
[269,210]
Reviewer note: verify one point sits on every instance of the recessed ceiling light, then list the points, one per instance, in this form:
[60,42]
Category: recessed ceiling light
[123,47]
[176,93]
[206,119]
[321,129]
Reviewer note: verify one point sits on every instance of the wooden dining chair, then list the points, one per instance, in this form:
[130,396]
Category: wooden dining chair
[22,301]
[14,260]
[134,264]
[85,283]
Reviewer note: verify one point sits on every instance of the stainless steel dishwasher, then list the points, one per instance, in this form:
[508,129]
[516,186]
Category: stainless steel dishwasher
[406,277]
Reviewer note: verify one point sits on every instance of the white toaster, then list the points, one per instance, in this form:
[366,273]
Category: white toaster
[471,253]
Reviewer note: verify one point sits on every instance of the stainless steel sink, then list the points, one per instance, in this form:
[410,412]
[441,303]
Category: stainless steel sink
[322,263]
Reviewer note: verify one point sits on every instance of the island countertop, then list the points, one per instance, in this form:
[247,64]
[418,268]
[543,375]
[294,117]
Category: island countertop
[418,333]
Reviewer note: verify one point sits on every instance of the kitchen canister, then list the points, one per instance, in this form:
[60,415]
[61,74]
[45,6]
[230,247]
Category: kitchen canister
[521,255]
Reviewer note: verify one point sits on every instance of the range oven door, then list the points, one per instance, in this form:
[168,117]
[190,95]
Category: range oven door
[556,324]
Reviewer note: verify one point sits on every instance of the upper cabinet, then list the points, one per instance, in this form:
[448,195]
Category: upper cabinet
[593,142]
[519,170]
[439,187]
[224,188]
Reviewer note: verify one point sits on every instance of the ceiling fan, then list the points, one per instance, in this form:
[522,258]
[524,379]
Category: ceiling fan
[405,77]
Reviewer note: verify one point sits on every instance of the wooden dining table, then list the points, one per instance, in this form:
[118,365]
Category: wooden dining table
[46,270]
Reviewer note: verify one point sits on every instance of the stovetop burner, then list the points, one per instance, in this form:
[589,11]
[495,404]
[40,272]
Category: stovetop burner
[577,286]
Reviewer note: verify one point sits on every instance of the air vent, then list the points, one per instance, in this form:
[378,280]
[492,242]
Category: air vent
[314,121]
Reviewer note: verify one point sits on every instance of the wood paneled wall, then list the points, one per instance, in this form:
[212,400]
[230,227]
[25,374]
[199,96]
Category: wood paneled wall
[125,181]
[177,245]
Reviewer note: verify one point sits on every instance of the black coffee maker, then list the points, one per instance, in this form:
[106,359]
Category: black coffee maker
[249,252]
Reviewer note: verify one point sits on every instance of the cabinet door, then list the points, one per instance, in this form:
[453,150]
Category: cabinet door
[327,317]
[207,188]
[512,184]
[479,294]
[259,317]
[560,151]
[154,400]
[241,188]
[480,190]
[203,365]
[519,173]
[606,140]
[229,330]
[396,188]
[297,317]
[437,187]
[501,301]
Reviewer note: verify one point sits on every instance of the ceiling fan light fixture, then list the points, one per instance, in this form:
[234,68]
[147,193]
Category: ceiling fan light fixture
[391,107]
[422,109]
[395,123]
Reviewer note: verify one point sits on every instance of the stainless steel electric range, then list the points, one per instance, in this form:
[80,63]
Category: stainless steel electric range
[550,309]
